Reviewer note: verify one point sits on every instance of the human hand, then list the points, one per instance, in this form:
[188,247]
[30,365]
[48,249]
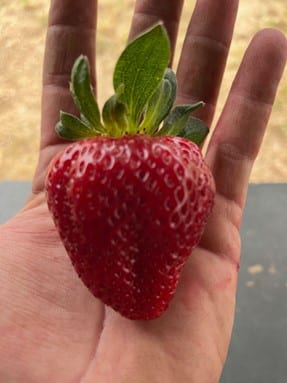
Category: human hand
[52,329]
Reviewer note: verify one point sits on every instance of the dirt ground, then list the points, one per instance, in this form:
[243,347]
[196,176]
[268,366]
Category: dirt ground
[22,36]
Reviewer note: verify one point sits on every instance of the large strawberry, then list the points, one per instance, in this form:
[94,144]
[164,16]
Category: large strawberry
[132,196]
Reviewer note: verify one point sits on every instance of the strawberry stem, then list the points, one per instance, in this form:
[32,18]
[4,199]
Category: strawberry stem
[145,92]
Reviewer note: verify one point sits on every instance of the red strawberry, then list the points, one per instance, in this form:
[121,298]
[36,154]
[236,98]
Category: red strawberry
[129,211]
[132,202]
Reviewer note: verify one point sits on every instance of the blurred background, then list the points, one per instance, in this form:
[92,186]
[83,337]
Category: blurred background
[22,36]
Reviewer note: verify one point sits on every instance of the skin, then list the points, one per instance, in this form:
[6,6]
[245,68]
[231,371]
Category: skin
[52,329]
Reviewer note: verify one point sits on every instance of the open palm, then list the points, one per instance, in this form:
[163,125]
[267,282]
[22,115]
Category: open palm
[52,329]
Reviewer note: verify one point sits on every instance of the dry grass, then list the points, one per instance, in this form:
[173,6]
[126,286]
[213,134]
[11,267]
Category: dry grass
[22,36]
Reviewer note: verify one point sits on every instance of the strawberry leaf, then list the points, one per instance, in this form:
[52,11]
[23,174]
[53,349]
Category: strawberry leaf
[145,91]
[177,119]
[140,69]
[71,128]
[82,92]
[195,130]
[115,115]
[160,103]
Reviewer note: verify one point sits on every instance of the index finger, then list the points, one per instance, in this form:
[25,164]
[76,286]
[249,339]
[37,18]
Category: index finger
[71,32]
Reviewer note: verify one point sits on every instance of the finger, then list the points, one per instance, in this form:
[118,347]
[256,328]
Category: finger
[239,132]
[71,32]
[204,54]
[148,12]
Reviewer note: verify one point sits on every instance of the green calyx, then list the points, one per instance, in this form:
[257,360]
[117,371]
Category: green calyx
[143,103]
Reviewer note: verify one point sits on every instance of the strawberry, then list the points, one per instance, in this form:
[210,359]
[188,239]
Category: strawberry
[131,197]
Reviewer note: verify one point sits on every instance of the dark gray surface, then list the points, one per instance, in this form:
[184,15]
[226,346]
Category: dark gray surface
[12,197]
[258,352]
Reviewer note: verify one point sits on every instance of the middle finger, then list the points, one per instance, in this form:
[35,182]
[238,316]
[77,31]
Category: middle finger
[205,52]
[148,12]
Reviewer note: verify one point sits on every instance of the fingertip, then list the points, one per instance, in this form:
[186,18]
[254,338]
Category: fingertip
[262,66]
[273,43]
